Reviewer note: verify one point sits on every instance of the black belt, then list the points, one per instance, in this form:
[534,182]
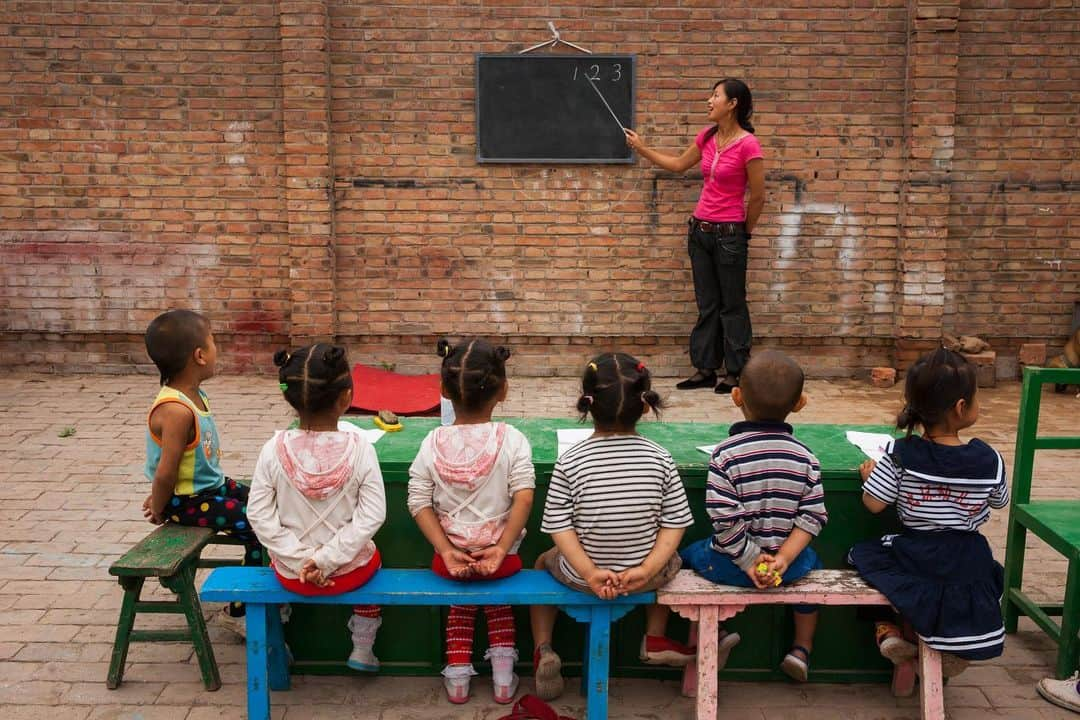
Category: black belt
[724,228]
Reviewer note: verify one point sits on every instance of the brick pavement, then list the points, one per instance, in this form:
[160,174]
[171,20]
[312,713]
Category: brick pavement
[69,506]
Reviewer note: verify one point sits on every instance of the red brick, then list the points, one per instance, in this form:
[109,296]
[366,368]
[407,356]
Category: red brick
[1033,354]
[883,377]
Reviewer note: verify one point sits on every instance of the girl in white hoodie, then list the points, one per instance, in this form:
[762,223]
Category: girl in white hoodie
[470,492]
[317,494]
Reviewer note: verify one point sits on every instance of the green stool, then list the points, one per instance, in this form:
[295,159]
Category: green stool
[171,554]
[1055,522]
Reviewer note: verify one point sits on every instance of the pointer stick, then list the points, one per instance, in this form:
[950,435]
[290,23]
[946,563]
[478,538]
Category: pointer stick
[593,85]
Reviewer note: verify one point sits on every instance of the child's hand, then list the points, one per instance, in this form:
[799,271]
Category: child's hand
[779,565]
[148,511]
[459,563]
[488,560]
[310,573]
[866,468]
[632,580]
[604,584]
[762,581]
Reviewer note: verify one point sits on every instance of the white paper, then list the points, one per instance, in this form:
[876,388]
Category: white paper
[872,444]
[707,449]
[569,437]
[372,434]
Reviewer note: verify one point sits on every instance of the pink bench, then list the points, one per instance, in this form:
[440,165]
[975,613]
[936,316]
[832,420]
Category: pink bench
[706,604]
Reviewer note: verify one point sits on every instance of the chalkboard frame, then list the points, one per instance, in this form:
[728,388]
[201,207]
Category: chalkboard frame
[629,159]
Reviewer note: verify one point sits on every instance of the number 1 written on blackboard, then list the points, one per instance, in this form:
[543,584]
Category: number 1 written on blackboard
[594,72]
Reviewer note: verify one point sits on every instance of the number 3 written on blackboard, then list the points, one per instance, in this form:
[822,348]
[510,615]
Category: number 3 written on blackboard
[594,72]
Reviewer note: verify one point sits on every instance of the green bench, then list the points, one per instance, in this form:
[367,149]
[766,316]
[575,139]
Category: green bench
[171,553]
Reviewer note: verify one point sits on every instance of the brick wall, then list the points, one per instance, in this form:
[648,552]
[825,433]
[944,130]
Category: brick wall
[305,168]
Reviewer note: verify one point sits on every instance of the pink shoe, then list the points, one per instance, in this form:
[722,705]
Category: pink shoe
[503,677]
[456,680]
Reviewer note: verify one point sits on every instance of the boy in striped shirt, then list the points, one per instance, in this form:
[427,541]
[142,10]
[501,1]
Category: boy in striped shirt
[764,498]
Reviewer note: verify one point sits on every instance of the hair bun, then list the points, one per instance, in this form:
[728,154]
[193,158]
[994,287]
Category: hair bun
[502,354]
[334,355]
[281,357]
[443,348]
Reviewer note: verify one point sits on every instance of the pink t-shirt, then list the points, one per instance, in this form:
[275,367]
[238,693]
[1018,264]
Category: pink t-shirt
[724,178]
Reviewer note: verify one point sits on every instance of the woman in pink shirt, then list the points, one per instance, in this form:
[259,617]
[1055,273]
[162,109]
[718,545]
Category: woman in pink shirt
[731,161]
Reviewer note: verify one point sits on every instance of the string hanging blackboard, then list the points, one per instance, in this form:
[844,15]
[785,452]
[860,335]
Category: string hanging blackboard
[554,108]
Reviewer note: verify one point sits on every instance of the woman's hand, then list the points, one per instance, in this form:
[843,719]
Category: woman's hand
[866,468]
[633,140]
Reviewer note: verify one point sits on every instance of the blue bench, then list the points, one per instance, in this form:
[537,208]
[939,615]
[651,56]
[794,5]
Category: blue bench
[267,666]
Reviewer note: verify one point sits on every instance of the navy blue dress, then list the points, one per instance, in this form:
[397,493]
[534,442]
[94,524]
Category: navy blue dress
[940,573]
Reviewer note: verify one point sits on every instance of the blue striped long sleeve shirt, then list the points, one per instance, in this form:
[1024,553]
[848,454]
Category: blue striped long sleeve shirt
[762,483]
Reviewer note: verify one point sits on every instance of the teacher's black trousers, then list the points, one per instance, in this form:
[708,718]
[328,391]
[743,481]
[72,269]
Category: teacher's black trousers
[722,334]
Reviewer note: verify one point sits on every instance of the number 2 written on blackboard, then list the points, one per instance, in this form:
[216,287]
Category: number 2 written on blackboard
[592,72]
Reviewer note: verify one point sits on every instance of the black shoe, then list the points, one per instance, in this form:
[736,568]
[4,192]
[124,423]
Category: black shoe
[697,380]
[724,387]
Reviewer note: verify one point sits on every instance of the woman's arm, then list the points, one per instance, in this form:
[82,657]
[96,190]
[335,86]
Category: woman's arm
[755,177]
[679,164]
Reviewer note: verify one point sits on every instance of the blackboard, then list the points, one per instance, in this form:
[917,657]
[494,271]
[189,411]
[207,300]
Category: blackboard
[543,108]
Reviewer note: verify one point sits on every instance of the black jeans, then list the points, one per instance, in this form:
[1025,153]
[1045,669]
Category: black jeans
[722,334]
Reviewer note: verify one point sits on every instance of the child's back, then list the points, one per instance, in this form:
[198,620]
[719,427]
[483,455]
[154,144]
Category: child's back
[615,492]
[765,500]
[317,496]
[939,573]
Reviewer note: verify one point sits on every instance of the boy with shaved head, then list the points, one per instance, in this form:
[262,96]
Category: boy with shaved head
[764,498]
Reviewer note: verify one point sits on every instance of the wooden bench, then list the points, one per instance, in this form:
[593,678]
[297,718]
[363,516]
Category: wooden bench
[706,604]
[267,667]
[170,553]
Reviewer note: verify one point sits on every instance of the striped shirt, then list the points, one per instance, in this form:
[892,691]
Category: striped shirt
[762,483]
[940,487]
[615,492]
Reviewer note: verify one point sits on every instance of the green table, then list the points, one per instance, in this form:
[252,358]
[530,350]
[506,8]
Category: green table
[411,639]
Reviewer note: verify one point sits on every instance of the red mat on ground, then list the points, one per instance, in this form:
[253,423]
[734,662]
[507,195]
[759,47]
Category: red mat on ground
[376,389]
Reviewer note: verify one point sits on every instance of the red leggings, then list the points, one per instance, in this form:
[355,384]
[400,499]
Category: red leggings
[342,583]
[461,625]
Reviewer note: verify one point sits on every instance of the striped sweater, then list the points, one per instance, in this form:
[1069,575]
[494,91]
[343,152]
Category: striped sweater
[762,483]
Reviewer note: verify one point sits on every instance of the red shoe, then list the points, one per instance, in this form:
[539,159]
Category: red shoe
[659,650]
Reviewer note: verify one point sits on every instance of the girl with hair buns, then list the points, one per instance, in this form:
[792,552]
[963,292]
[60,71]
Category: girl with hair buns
[939,573]
[317,494]
[616,509]
[470,491]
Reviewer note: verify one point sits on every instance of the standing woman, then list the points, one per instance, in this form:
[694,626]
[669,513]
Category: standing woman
[720,227]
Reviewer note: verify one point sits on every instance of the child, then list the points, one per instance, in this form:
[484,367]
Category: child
[939,573]
[764,497]
[616,510]
[183,451]
[470,490]
[317,493]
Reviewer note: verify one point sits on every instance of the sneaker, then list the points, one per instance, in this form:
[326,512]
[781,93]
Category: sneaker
[363,658]
[659,650]
[1063,693]
[503,677]
[724,646]
[547,673]
[796,664]
[456,681]
[892,645]
[234,624]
